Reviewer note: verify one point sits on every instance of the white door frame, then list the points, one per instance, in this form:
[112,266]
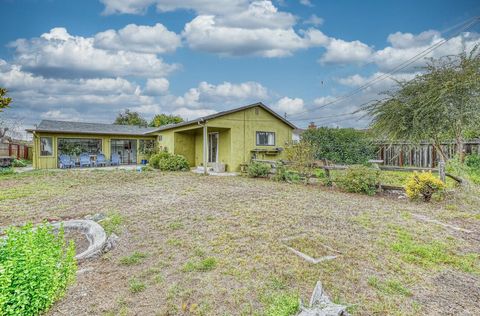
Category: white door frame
[210,144]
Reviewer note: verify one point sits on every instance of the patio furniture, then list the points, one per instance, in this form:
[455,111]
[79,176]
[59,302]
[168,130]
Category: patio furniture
[85,160]
[66,161]
[115,160]
[101,161]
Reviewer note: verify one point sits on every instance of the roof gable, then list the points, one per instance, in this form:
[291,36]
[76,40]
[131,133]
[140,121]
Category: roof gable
[223,113]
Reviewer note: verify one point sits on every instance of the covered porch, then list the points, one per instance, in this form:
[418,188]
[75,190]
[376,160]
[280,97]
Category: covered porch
[205,145]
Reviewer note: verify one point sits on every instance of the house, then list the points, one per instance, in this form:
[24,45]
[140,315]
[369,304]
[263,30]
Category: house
[230,138]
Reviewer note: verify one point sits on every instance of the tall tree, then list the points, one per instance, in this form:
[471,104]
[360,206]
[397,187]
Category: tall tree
[164,119]
[130,118]
[441,104]
[4,100]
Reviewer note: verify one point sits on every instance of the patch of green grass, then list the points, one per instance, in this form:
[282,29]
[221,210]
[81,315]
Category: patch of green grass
[176,225]
[136,286]
[174,242]
[135,258]
[112,223]
[283,304]
[433,254]
[203,265]
[389,286]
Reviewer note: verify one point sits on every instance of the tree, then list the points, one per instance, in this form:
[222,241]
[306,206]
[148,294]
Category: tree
[4,100]
[301,158]
[130,118]
[165,119]
[340,145]
[441,104]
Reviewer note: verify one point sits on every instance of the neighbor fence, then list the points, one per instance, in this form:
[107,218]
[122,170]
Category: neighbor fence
[19,151]
[423,155]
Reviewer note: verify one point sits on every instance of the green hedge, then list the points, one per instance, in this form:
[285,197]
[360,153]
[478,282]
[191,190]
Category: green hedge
[36,266]
[169,162]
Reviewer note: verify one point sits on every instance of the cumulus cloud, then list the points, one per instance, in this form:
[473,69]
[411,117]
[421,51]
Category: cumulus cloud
[157,86]
[289,105]
[226,93]
[155,39]
[190,114]
[59,54]
[339,51]
[314,20]
[307,3]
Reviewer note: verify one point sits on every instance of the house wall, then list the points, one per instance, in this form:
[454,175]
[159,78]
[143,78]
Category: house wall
[184,144]
[237,136]
[51,162]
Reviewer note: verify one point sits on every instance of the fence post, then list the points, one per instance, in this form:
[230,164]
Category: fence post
[441,170]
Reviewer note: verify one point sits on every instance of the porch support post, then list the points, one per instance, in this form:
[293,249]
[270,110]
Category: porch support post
[205,148]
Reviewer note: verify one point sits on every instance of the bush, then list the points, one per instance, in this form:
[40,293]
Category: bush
[5,171]
[473,162]
[423,184]
[284,174]
[360,179]
[258,170]
[169,162]
[18,163]
[36,266]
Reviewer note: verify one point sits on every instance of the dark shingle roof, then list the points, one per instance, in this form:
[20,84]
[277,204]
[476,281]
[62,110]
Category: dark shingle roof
[209,117]
[89,128]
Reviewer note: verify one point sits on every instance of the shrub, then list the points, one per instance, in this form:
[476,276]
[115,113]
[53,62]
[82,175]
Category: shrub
[423,184]
[360,179]
[258,169]
[6,171]
[284,174]
[169,162]
[36,266]
[473,161]
[18,163]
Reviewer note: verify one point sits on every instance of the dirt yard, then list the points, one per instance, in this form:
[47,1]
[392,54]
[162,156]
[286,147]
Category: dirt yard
[195,245]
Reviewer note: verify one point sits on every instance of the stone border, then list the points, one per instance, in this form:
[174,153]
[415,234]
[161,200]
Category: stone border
[94,233]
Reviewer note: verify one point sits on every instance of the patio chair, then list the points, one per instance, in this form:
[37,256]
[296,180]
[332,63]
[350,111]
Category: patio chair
[101,161]
[115,160]
[85,160]
[66,161]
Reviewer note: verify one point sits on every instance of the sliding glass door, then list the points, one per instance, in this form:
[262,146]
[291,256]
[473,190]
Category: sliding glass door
[126,149]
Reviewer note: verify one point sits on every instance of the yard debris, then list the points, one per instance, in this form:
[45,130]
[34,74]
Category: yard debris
[111,242]
[321,305]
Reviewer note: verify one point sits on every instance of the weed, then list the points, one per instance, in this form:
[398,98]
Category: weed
[390,286]
[283,304]
[112,223]
[203,265]
[135,258]
[175,225]
[136,286]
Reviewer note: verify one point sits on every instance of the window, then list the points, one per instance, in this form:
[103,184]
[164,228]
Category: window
[46,147]
[75,146]
[265,139]
[160,138]
[146,146]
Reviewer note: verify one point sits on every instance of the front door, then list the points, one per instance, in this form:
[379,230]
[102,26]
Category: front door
[126,149]
[213,147]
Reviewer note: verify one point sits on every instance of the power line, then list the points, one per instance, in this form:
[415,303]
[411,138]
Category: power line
[466,25]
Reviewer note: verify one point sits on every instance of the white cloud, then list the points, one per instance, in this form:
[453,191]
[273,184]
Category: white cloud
[59,54]
[307,3]
[289,105]
[191,114]
[378,80]
[226,93]
[157,86]
[199,6]
[155,39]
[343,52]
[314,20]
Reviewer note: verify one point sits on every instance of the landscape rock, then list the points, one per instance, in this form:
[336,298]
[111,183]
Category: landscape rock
[111,242]
[96,217]
[321,305]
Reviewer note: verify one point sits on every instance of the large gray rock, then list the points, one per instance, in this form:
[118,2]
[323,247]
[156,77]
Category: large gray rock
[321,305]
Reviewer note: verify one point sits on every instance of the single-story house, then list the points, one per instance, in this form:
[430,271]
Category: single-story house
[230,137]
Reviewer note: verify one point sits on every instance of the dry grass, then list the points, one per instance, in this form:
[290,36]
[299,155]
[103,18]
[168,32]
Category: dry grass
[194,245]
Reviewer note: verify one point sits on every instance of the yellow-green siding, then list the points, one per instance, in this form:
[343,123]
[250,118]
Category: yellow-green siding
[237,137]
[51,162]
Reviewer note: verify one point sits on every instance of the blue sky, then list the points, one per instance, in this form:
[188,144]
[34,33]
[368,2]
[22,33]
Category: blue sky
[88,60]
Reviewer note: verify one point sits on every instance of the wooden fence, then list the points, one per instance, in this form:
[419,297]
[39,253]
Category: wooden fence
[423,155]
[19,151]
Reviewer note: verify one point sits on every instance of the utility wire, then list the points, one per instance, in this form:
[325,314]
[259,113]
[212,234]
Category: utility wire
[466,25]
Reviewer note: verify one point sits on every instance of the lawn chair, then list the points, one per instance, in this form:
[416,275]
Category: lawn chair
[66,161]
[115,160]
[85,160]
[101,161]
